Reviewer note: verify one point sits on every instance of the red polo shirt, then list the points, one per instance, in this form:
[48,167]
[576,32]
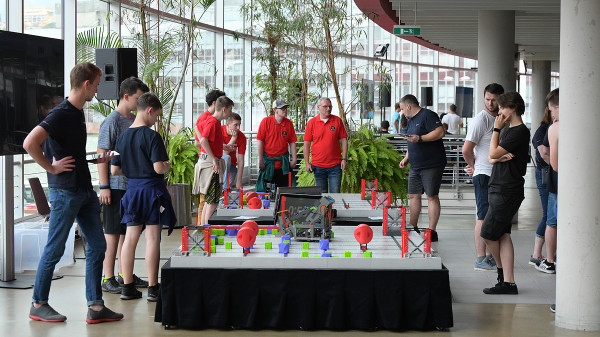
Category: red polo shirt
[200,120]
[211,130]
[325,138]
[276,136]
[240,142]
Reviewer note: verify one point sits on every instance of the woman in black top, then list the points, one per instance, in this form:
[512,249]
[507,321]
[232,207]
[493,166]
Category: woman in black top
[509,152]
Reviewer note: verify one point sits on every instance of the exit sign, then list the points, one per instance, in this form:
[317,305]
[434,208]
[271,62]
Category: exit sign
[407,30]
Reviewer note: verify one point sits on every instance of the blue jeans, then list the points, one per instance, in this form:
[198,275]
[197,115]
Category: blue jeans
[330,179]
[230,173]
[541,230]
[67,205]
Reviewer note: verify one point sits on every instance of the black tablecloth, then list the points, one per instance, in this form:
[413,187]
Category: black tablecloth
[195,298]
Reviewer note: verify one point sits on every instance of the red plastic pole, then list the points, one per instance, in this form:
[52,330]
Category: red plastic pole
[184,239]
[405,241]
[385,221]
[362,189]
[403,217]
[428,241]
[207,239]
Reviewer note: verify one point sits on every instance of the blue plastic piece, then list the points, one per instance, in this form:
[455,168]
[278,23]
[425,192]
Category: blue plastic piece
[266,203]
[284,248]
[231,231]
[326,254]
[213,236]
[324,244]
[285,237]
[269,231]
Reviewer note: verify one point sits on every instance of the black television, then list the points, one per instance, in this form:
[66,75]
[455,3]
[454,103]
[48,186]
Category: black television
[31,83]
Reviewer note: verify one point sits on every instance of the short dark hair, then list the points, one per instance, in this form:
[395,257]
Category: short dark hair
[223,102]
[46,102]
[212,96]
[410,99]
[512,100]
[493,88]
[131,85]
[453,107]
[82,72]
[148,100]
[552,98]
[234,117]
[385,125]
[397,106]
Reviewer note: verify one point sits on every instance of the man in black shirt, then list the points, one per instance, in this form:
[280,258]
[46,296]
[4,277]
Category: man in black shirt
[509,152]
[427,160]
[71,196]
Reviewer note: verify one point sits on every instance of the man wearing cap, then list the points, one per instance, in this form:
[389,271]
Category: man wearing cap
[276,141]
[326,132]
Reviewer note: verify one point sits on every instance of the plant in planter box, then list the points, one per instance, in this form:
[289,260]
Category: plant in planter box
[369,157]
[183,155]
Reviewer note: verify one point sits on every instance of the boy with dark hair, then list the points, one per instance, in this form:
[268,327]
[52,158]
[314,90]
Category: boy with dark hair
[112,187]
[234,160]
[143,160]
[64,137]
[209,168]
[509,153]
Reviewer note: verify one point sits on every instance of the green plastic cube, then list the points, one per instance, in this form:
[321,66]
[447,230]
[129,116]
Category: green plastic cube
[212,242]
[347,254]
[262,231]
[304,254]
[268,245]
[228,245]
[331,235]
[221,232]
[274,231]
[368,254]
[286,241]
[213,249]
[305,245]
[220,241]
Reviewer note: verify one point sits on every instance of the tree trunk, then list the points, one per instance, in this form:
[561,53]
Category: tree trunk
[331,67]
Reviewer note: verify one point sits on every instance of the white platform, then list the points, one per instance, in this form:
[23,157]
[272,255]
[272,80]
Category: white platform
[30,239]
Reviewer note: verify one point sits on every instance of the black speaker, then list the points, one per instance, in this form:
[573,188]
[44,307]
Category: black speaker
[426,96]
[464,101]
[117,64]
[386,96]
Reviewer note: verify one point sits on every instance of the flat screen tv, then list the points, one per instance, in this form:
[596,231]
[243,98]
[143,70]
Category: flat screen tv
[31,84]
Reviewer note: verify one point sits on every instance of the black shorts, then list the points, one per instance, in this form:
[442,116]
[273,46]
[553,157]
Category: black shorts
[280,179]
[111,214]
[426,180]
[213,194]
[502,208]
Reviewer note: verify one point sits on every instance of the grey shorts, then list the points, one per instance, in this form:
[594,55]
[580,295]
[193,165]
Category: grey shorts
[426,180]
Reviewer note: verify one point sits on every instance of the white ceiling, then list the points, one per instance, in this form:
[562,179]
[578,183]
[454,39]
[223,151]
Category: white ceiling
[452,24]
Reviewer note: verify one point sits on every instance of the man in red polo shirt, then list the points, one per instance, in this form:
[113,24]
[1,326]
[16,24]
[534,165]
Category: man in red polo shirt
[326,132]
[234,160]
[276,142]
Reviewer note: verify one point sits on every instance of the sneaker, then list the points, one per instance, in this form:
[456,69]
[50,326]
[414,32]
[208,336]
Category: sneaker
[129,292]
[502,288]
[546,267]
[111,285]
[485,265]
[491,260]
[139,283]
[104,315]
[45,313]
[553,308]
[153,292]
[534,261]
[434,236]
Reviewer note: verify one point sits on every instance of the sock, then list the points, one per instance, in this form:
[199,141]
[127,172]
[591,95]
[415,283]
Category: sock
[106,278]
[480,259]
[500,275]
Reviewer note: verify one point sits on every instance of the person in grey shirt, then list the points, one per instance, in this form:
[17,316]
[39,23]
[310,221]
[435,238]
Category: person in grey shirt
[112,188]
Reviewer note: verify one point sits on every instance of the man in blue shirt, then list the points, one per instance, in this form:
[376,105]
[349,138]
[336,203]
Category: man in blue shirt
[64,135]
[427,160]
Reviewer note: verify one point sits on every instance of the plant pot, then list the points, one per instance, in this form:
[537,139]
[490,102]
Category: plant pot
[181,197]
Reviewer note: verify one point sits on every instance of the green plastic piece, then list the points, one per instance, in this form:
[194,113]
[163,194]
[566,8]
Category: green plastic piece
[262,231]
[212,242]
[305,245]
[268,245]
[304,254]
[221,232]
[213,249]
[347,254]
[274,231]
[228,245]
[331,235]
[286,241]
[368,254]
[220,241]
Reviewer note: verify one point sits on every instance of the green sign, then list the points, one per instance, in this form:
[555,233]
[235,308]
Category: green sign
[407,30]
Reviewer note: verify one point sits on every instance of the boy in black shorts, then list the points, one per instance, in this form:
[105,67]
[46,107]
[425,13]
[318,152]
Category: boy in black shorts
[146,204]
[509,152]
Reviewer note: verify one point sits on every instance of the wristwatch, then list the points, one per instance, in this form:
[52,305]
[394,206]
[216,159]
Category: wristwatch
[346,159]
[497,130]
[420,139]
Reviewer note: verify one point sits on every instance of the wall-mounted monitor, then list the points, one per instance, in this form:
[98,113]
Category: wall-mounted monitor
[31,84]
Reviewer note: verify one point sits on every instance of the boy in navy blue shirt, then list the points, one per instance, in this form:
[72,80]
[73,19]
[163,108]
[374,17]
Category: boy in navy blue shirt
[64,136]
[146,204]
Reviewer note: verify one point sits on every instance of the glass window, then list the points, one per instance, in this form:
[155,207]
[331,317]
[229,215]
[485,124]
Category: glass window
[233,72]
[3,16]
[446,89]
[204,72]
[232,16]
[425,80]
[42,18]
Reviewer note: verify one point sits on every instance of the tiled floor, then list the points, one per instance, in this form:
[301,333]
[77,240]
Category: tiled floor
[475,314]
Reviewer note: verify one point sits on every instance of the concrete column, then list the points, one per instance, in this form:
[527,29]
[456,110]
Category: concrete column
[495,51]
[578,268]
[540,87]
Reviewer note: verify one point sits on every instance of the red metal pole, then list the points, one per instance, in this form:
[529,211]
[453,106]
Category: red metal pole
[184,239]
